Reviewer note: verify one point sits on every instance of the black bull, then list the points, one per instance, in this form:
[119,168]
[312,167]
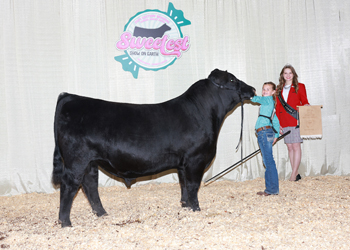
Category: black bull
[134,140]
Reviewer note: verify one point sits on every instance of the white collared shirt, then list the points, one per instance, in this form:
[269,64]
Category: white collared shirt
[286,90]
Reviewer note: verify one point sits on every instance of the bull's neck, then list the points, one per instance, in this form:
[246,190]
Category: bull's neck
[212,106]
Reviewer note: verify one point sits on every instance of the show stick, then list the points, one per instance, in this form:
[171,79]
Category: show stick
[241,161]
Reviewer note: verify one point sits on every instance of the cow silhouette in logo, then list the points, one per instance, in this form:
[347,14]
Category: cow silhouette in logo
[158,32]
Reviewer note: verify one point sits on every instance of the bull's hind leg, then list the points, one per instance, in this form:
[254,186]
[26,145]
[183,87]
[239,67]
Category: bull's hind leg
[90,187]
[68,190]
[182,180]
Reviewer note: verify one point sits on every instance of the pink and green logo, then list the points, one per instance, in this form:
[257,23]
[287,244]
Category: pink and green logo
[153,40]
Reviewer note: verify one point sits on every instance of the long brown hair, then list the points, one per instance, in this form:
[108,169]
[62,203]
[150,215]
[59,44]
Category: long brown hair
[273,88]
[282,81]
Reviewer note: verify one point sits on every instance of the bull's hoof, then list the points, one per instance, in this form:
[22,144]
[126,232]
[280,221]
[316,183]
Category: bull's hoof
[100,213]
[65,223]
[194,209]
[184,204]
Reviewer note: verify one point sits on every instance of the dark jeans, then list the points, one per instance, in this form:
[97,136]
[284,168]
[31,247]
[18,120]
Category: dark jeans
[265,140]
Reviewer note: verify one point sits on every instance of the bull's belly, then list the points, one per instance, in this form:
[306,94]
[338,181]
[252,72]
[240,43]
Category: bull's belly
[136,168]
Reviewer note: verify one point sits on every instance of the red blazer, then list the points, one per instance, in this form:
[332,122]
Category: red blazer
[294,100]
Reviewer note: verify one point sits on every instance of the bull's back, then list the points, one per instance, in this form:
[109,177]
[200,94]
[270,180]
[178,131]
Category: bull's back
[136,139]
[87,116]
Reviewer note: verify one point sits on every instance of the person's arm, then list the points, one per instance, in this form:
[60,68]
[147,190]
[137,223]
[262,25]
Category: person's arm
[302,95]
[276,125]
[256,99]
[260,99]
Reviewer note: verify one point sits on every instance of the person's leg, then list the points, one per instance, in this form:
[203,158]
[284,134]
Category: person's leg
[290,152]
[294,152]
[265,139]
[297,158]
[291,158]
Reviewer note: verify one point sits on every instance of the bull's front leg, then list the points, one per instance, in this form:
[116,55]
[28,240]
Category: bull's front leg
[193,187]
[193,179]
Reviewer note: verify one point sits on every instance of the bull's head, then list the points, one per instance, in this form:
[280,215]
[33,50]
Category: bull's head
[227,81]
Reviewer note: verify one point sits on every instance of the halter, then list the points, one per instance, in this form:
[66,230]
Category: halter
[222,86]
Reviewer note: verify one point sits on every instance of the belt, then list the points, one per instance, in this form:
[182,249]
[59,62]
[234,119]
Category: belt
[262,128]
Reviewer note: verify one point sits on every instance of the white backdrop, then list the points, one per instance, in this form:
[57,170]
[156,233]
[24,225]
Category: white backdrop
[48,47]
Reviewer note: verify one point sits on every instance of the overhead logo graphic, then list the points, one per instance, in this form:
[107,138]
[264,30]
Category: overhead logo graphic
[153,40]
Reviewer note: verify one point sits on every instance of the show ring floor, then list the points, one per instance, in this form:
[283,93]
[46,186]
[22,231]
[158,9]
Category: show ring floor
[313,213]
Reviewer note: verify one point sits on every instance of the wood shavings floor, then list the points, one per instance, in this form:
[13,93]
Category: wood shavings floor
[313,213]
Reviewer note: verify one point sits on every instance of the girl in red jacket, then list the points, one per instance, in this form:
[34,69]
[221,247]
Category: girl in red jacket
[294,94]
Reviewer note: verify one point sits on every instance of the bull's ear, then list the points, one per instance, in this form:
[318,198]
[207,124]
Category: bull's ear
[214,73]
[212,78]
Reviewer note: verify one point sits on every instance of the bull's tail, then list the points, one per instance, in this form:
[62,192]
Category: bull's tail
[58,163]
[57,167]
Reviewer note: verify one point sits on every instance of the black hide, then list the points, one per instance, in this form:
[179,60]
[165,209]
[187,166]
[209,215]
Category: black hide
[134,140]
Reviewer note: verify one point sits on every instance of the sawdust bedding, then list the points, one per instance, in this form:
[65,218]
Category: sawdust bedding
[310,214]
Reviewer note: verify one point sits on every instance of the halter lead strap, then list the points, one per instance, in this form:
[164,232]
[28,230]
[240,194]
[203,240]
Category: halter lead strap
[241,136]
[242,112]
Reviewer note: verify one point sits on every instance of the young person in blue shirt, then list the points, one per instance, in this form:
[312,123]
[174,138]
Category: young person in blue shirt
[267,127]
